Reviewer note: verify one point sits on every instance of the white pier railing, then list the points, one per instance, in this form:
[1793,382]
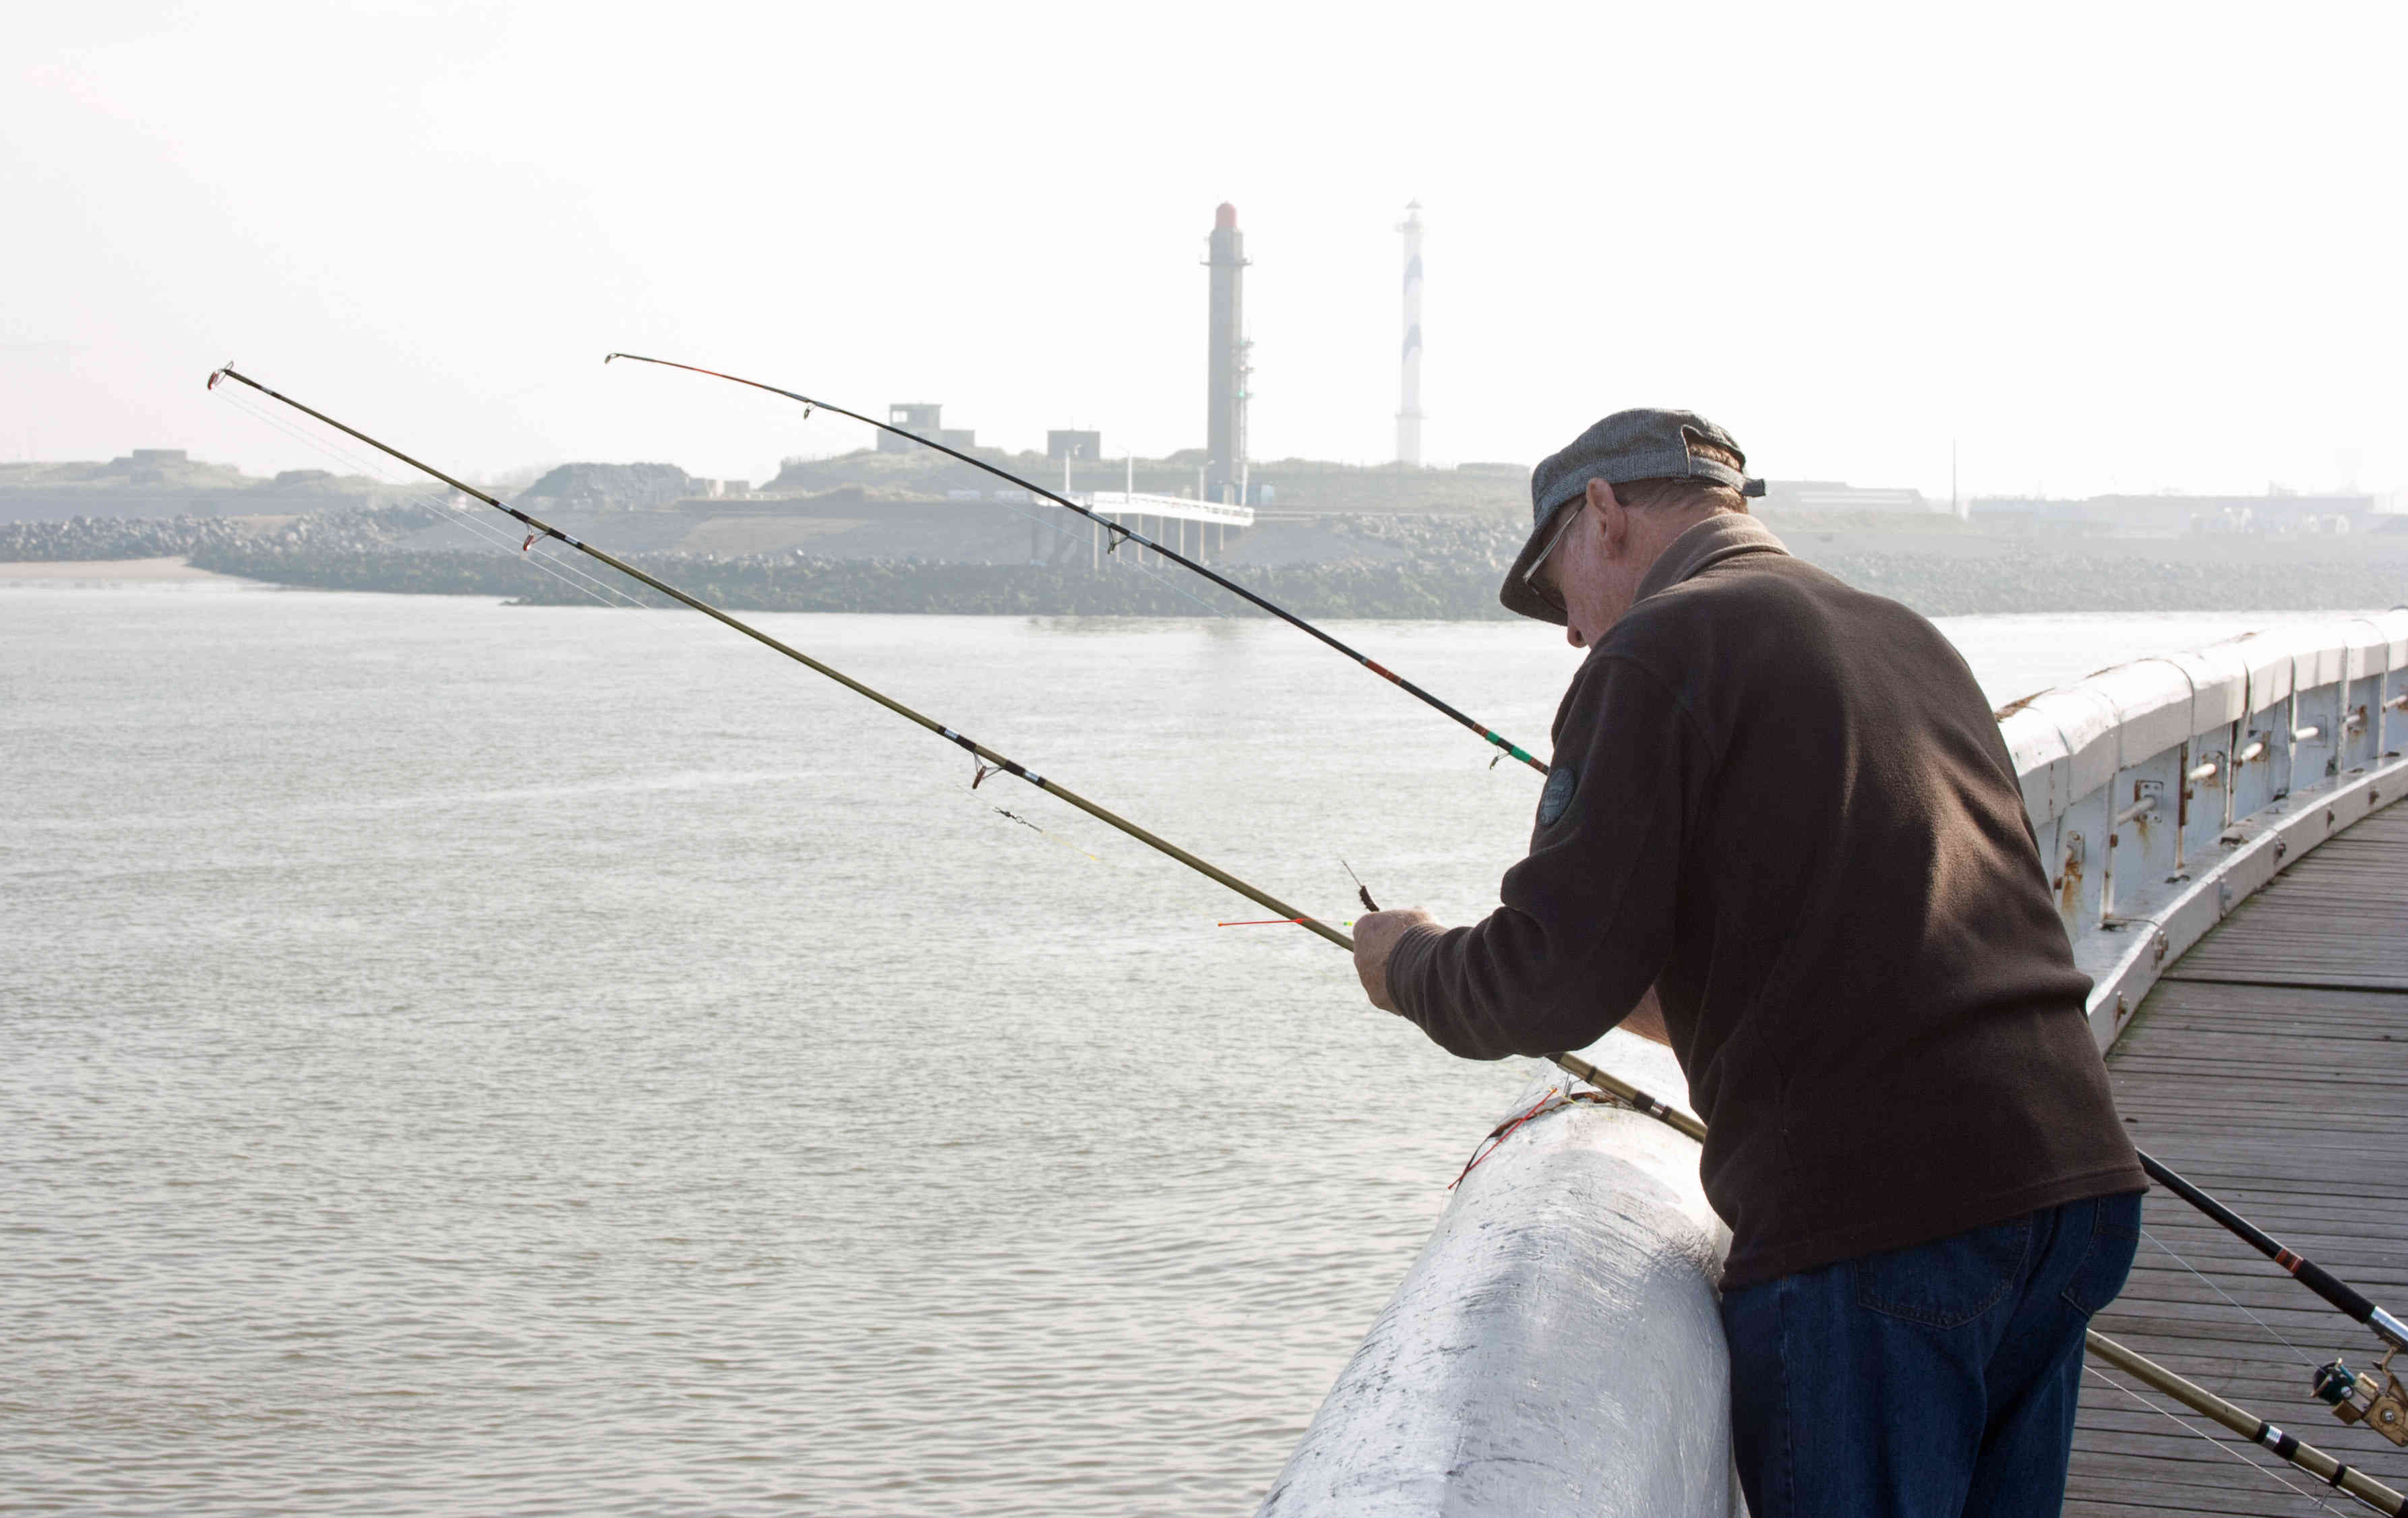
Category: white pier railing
[2164,791]
[1555,1349]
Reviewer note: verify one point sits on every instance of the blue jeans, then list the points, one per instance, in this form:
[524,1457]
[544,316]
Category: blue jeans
[1936,1381]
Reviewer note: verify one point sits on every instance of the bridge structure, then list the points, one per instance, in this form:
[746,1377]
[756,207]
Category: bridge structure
[2216,827]
[1165,519]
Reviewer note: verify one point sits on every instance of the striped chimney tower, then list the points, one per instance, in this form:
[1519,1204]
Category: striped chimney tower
[1408,415]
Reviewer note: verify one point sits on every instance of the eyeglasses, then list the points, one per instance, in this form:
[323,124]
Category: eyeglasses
[1544,589]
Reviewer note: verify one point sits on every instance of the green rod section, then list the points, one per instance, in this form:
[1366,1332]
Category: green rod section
[1103,814]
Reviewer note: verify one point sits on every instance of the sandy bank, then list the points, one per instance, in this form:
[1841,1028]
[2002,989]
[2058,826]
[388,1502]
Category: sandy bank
[53,571]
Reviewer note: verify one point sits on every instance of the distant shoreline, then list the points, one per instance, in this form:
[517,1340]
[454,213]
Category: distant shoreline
[1935,586]
[1335,566]
[146,571]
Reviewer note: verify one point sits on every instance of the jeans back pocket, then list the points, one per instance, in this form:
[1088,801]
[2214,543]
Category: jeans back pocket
[1949,1281]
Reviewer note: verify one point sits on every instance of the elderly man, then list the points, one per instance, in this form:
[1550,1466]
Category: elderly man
[1783,806]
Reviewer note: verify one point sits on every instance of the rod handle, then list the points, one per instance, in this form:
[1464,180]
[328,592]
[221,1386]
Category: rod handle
[2318,1280]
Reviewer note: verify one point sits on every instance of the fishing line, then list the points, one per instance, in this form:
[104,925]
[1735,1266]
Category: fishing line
[1123,534]
[2197,1432]
[2304,1358]
[537,552]
[979,752]
[567,574]
[536,555]
[594,587]
[1007,812]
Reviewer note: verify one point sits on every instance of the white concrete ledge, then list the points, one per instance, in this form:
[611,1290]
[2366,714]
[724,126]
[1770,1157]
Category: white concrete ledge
[1557,1349]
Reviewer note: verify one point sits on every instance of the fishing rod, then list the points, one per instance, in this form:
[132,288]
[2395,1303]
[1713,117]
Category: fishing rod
[2376,1398]
[1123,535]
[1607,1081]
[2310,1274]
[2249,1425]
[988,759]
[2197,1398]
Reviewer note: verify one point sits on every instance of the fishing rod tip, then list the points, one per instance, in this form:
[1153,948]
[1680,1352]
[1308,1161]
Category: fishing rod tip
[216,375]
[608,357]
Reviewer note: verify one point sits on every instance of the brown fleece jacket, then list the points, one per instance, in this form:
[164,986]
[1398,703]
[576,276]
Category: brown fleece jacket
[1786,805]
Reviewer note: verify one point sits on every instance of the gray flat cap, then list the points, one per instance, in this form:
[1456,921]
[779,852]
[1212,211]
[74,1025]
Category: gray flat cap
[1625,445]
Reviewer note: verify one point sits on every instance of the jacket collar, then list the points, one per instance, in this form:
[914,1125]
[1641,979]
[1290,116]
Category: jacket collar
[1725,534]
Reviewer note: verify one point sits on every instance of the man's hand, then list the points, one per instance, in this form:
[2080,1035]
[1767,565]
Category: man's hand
[1375,938]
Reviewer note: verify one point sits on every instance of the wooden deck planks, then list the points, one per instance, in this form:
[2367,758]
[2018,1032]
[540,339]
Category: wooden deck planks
[2270,1066]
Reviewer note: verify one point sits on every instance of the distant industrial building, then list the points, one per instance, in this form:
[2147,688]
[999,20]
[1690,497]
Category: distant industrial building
[2178,516]
[1228,369]
[1065,444]
[929,422]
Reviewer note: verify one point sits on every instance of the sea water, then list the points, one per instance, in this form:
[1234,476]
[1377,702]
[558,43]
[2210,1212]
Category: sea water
[466,1058]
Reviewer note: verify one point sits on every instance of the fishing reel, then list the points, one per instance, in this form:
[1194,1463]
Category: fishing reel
[2373,1399]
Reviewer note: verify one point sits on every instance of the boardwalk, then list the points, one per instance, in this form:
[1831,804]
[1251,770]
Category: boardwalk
[2270,1066]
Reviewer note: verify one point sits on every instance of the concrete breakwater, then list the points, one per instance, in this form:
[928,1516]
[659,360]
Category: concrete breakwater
[1329,566]
[796,581]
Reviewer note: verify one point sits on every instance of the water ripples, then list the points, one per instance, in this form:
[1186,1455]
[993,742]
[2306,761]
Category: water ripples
[475,1059]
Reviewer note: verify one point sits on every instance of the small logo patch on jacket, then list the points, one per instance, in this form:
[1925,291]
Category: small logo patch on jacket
[1558,797]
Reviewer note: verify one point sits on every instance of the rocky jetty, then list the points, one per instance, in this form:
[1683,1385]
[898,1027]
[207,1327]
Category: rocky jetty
[93,538]
[85,539]
[1337,565]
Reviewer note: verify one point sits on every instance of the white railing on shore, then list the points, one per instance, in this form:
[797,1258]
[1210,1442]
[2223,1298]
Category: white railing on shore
[1500,1380]
[1119,503]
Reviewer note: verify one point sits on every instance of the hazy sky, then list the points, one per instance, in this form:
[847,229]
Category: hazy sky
[2103,247]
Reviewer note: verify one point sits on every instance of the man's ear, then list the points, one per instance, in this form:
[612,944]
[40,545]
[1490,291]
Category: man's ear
[1612,515]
